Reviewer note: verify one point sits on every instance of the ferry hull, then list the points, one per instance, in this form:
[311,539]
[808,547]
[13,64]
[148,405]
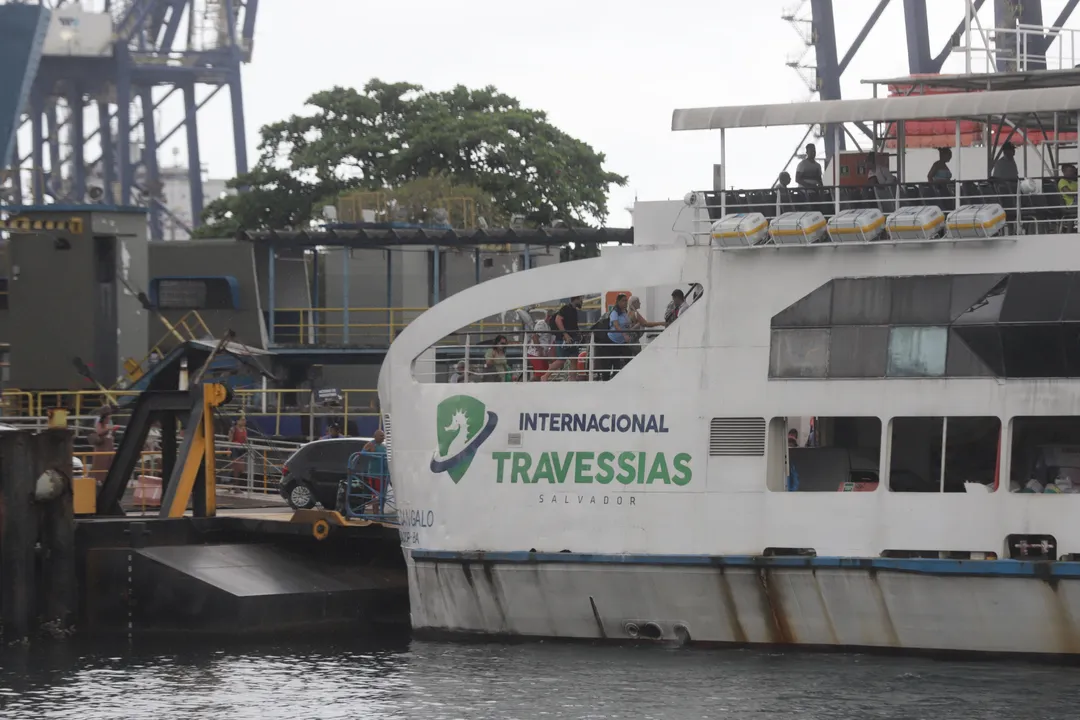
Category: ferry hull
[947,606]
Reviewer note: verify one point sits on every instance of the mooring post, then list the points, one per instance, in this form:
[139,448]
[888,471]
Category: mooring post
[54,448]
[18,534]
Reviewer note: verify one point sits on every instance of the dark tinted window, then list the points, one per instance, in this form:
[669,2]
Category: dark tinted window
[961,361]
[1072,302]
[858,351]
[811,311]
[921,300]
[969,291]
[205,293]
[985,342]
[986,307]
[1033,351]
[1035,297]
[862,301]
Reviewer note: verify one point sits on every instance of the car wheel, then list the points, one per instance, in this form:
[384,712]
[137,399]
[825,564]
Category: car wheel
[300,497]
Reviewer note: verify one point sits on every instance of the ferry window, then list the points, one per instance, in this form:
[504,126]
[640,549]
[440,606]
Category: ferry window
[830,454]
[970,457]
[917,351]
[962,361]
[1035,297]
[981,341]
[1045,455]
[195,293]
[814,310]
[858,351]
[862,301]
[921,300]
[970,305]
[799,353]
[1033,350]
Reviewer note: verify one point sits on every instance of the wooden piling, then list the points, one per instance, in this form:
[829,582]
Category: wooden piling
[17,535]
[53,452]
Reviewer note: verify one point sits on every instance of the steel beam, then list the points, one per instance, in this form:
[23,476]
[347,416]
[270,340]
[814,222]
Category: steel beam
[56,176]
[194,161]
[1007,13]
[1062,18]
[150,162]
[236,97]
[37,134]
[918,36]
[123,116]
[828,68]
[108,161]
[939,59]
[78,155]
[858,41]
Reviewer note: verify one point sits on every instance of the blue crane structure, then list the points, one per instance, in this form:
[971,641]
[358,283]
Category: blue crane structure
[89,82]
[830,65]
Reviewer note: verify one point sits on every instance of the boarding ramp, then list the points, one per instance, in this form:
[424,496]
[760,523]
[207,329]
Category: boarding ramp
[237,588]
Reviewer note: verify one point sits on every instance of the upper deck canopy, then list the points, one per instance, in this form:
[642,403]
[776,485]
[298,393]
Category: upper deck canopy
[974,105]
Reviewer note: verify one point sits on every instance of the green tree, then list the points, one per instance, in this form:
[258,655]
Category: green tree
[393,134]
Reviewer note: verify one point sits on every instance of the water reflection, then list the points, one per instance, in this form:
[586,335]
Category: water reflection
[391,677]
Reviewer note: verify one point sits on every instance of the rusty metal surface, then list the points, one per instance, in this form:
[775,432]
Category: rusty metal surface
[840,607]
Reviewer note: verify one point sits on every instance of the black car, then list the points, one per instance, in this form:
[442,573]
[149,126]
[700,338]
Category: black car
[314,472]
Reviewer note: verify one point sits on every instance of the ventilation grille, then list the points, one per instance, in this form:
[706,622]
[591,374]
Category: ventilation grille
[736,436]
[387,435]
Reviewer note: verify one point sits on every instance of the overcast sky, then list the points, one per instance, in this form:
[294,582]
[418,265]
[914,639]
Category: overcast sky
[608,72]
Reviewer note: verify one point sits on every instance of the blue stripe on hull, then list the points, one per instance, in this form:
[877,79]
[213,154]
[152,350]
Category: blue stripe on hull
[1008,568]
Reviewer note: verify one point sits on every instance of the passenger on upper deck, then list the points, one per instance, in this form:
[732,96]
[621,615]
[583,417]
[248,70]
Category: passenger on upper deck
[877,174]
[495,365]
[458,375]
[939,171]
[567,337]
[808,172]
[638,321]
[676,307]
[1005,167]
[784,180]
[1067,185]
[540,347]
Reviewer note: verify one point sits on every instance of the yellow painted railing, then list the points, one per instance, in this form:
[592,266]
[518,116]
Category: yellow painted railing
[190,326]
[82,404]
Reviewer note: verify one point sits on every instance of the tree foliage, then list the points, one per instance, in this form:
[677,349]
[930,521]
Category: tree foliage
[391,135]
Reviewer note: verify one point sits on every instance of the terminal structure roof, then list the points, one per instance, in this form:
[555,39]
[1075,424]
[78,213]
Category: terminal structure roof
[379,238]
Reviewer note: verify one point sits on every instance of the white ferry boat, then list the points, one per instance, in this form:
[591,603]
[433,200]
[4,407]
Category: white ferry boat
[927,334]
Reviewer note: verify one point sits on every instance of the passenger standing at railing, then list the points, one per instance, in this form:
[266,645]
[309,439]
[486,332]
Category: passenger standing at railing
[1005,167]
[808,171]
[103,440]
[639,323]
[568,335]
[540,347]
[939,171]
[620,339]
[238,435]
[458,375]
[1067,185]
[495,366]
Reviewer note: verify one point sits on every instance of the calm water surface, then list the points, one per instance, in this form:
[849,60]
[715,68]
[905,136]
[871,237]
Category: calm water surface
[329,679]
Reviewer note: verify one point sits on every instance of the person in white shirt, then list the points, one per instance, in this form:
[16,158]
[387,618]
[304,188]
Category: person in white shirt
[459,372]
[541,343]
